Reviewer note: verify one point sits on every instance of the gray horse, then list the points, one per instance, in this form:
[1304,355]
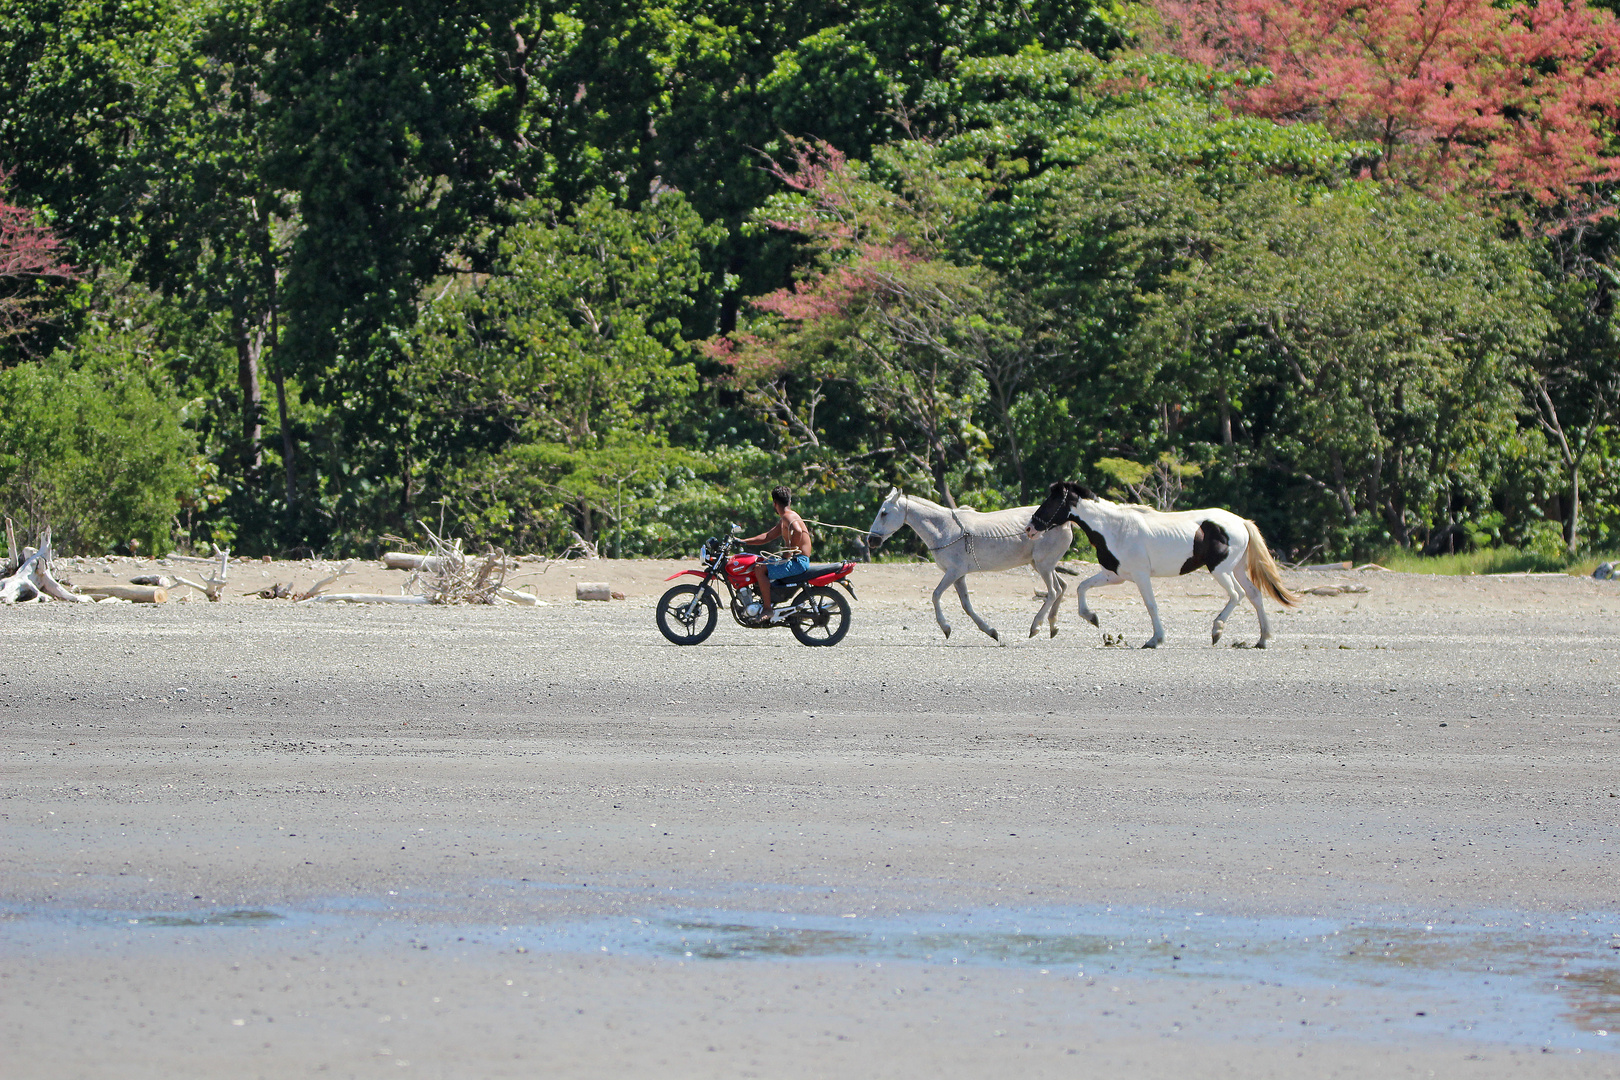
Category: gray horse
[964,541]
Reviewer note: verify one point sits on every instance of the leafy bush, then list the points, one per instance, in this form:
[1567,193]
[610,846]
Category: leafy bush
[91,445]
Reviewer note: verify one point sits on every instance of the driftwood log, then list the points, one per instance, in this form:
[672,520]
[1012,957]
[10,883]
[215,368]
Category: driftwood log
[363,598]
[433,564]
[140,594]
[32,578]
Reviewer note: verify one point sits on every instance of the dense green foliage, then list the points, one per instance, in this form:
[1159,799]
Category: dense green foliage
[615,269]
[91,445]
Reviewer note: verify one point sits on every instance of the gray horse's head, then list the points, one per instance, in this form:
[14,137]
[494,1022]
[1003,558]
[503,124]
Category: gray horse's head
[890,517]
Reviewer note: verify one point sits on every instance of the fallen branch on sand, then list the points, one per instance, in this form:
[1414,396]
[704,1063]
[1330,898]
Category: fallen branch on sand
[363,598]
[214,584]
[315,590]
[1335,590]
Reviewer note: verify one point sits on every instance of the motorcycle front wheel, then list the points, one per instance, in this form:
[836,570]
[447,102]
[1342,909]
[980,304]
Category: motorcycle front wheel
[825,620]
[687,614]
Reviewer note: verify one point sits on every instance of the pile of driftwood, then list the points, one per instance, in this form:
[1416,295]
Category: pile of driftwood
[27,573]
[444,575]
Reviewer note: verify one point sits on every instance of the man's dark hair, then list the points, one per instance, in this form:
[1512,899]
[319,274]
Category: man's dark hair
[781,496]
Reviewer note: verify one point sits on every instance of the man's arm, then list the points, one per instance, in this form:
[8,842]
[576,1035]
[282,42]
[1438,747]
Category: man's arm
[765,537]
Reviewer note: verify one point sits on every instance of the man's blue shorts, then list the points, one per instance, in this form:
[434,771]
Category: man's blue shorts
[777,569]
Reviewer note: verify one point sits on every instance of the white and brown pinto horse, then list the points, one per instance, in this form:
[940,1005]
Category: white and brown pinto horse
[1139,543]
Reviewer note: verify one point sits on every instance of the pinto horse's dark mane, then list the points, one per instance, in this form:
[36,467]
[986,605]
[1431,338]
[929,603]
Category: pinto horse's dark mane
[1061,498]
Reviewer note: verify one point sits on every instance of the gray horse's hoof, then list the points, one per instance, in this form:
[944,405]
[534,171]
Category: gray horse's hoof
[947,631]
[994,636]
[1091,617]
[1034,630]
[1151,645]
[1053,634]
[1215,637]
[1260,644]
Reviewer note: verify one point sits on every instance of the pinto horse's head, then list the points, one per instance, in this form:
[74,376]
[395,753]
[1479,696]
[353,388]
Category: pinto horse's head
[1061,498]
[890,517]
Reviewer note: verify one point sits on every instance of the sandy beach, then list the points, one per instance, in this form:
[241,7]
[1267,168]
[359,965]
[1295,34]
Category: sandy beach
[256,838]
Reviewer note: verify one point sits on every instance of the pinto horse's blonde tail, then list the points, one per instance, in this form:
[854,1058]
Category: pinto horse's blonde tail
[1263,569]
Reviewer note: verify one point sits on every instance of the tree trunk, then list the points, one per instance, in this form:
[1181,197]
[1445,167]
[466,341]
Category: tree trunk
[937,465]
[249,343]
[1012,442]
[1574,505]
[280,380]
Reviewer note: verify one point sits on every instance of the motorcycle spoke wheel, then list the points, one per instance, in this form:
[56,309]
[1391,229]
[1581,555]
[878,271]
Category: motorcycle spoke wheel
[824,618]
[687,614]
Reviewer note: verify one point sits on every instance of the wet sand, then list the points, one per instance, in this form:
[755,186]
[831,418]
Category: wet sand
[261,839]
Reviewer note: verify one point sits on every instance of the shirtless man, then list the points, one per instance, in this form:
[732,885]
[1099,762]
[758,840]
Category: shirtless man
[790,527]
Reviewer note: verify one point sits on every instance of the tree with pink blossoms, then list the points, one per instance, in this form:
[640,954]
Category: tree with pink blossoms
[30,255]
[925,340]
[1457,95]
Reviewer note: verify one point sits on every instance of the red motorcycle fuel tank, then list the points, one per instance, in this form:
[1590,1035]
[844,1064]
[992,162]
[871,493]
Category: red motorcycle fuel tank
[740,569]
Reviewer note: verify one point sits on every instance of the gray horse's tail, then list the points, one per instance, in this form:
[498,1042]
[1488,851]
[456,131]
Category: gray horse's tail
[1263,569]
[1060,568]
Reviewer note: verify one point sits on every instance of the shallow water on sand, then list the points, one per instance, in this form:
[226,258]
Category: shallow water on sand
[1500,977]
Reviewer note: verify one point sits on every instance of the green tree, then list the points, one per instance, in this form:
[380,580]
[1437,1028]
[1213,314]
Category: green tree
[564,371]
[92,445]
[1364,346]
[1573,385]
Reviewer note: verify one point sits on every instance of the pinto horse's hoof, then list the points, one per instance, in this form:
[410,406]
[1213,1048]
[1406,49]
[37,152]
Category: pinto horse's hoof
[1053,634]
[1152,644]
[1034,630]
[1215,637]
[1260,644]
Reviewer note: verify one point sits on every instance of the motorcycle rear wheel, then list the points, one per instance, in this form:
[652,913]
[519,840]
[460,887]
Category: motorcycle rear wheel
[826,618]
[684,621]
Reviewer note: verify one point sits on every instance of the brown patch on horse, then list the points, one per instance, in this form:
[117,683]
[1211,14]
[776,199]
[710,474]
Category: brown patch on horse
[1105,558]
[1210,548]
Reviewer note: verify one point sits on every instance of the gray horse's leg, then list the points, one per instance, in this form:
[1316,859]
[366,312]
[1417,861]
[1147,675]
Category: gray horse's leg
[1048,611]
[1253,592]
[1144,585]
[1095,581]
[967,606]
[1058,588]
[939,590]
[1233,598]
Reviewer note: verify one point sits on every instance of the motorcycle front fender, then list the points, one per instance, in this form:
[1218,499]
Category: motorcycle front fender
[683,573]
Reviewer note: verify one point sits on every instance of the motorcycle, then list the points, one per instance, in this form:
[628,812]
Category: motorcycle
[687,613]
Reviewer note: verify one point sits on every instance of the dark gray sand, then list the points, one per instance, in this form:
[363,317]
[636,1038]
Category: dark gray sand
[254,839]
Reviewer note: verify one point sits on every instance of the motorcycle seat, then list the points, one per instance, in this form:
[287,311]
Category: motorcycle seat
[816,570]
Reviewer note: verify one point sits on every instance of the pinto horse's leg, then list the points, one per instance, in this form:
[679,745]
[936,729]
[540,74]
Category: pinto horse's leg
[1233,598]
[1253,593]
[1095,581]
[967,606]
[1144,585]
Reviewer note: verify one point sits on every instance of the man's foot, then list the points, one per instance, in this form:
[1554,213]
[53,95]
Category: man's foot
[778,614]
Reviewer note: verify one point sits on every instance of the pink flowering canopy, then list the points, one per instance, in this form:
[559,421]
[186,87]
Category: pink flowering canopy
[1458,95]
